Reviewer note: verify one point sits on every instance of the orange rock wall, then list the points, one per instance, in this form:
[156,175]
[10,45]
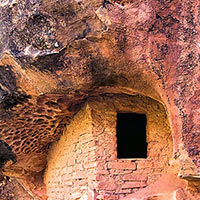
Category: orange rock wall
[84,162]
[54,55]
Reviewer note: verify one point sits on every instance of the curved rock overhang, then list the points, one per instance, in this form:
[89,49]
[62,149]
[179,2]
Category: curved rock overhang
[56,54]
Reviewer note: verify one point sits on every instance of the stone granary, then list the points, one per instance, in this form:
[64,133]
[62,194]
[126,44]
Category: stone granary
[100,100]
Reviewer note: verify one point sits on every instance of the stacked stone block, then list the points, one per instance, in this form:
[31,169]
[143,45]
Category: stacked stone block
[83,164]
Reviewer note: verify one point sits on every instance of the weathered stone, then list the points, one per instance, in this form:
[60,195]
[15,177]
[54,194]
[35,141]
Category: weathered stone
[56,55]
[128,185]
[135,177]
[121,165]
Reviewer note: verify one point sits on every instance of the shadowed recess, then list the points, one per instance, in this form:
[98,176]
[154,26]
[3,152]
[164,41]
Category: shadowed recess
[6,154]
[131,135]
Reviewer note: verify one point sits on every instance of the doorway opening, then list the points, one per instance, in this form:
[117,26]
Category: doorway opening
[131,135]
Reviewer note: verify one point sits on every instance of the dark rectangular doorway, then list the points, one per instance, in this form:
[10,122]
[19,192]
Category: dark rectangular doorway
[131,135]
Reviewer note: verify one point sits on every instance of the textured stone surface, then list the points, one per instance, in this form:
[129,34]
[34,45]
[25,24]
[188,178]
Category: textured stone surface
[166,187]
[56,54]
[11,189]
[88,155]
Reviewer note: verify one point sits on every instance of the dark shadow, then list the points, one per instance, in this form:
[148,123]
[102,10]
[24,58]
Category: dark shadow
[6,154]
[131,135]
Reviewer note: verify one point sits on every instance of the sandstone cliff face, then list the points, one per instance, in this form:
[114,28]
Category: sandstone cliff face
[54,55]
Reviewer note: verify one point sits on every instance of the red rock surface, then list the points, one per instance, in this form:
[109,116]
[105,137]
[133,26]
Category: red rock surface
[167,187]
[54,55]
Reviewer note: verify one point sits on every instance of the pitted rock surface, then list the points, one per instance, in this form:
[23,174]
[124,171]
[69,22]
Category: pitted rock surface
[56,54]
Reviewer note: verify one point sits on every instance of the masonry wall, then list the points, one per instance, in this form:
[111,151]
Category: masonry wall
[71,161]
[84,164]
